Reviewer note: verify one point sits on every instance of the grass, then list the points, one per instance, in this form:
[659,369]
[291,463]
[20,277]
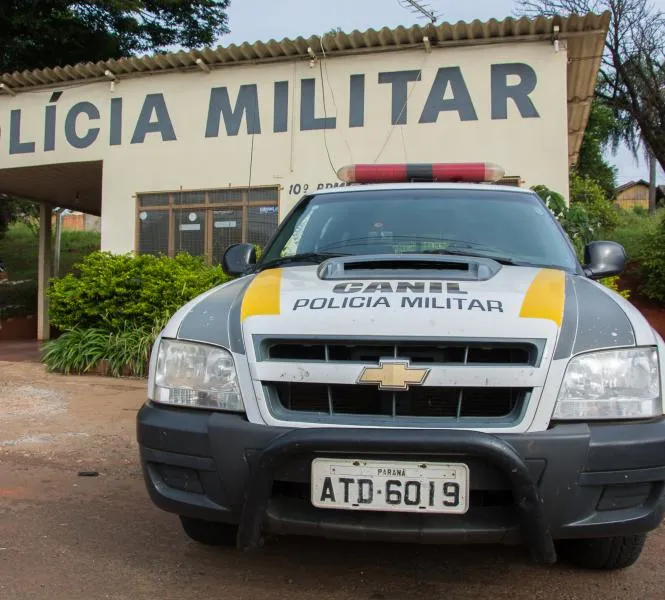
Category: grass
[19,249]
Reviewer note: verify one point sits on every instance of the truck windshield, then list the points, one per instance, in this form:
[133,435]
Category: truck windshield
[512,227]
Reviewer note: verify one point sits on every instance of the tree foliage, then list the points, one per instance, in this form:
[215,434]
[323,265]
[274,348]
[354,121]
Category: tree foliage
[632,72]
[13,210]
[598,137]
[43,33]
[588,216]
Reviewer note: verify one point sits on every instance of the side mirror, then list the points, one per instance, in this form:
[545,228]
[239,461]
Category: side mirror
[238,258]
[604,259]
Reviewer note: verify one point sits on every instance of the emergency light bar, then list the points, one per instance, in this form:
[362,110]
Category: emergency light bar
[401,173]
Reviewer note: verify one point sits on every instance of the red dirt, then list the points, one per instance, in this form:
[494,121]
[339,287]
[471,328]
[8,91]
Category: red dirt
[19,328]
[20,351]
[64,537]
[654,312]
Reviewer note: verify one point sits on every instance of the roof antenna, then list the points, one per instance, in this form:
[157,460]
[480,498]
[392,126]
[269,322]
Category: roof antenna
[416,6]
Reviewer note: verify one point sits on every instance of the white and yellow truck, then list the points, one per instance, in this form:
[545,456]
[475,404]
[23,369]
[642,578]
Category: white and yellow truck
[420,358]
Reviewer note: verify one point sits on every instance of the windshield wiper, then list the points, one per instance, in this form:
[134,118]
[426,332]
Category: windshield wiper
[305,258]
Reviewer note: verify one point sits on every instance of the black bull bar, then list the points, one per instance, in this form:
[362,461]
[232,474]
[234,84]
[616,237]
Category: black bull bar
[533,525]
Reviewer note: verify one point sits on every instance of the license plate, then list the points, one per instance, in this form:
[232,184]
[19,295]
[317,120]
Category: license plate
[390,486]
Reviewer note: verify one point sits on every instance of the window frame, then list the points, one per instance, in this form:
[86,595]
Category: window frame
[209,207]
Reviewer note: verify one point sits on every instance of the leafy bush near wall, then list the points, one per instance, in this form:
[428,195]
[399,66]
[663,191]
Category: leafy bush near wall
[17,298]
[121,353]
[112,307]
[112,292]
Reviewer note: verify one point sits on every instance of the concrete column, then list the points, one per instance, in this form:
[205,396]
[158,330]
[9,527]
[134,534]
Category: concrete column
[57,244]
[44,272]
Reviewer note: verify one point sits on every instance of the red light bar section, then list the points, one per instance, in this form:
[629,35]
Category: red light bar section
[402,173]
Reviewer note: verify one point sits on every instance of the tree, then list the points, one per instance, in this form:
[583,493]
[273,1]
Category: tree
[632,73]
[12,210]
[601,129]
[44,33]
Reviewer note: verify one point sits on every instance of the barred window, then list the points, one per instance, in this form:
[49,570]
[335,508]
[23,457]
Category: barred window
[206,222]
[153,231]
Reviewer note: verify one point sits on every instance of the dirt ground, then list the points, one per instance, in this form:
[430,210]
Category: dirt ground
[63,536]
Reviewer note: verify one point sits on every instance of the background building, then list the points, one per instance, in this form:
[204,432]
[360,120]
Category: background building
[635,194]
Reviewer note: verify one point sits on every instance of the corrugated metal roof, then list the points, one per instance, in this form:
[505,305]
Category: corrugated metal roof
[584,34]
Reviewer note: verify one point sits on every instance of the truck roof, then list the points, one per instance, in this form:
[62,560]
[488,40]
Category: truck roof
[369,187]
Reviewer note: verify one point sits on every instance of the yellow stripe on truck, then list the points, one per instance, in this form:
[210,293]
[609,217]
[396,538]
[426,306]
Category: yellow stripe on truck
[545,297]
[262,295]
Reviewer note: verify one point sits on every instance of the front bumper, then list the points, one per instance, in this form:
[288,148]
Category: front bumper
[573,481]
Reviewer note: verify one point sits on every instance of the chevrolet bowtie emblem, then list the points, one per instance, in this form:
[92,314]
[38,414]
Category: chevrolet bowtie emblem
[393,375]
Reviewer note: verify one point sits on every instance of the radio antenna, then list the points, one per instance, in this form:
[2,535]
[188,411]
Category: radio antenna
[418,7]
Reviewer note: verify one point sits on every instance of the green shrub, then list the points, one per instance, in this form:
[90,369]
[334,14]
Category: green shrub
[635,232]
[574,219]
[126,352]
[111,291]
[601,214]
[17,298]
[589,215]
[613,284]
[19,249]
[652,263]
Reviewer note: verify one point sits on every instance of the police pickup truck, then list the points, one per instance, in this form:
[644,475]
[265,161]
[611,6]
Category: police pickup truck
[421,358]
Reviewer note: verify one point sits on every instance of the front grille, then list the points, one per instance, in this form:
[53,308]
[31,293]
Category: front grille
[437,402]
[506,353]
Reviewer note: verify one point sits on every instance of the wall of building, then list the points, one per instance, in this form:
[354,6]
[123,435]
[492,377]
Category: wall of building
[266,124]
[78,222]
[636,195]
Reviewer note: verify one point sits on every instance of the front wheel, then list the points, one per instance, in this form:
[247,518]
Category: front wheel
[603,554]
[209,533]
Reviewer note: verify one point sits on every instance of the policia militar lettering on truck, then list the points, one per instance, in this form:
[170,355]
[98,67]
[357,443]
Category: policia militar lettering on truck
[416,357]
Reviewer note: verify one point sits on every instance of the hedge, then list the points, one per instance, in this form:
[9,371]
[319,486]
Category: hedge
[127,291]
[17,298]
[112,307]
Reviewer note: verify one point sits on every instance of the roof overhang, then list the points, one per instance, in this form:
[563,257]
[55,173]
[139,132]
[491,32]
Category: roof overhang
[77,185]
[584,35]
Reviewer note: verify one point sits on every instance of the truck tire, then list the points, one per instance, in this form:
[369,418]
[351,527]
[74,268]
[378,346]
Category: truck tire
[603,554]
[209,533]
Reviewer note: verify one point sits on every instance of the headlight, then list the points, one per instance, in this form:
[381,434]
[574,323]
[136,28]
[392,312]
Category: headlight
[612,384]
[196,376]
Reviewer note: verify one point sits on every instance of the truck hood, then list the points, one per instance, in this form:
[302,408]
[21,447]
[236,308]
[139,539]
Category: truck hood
[485,301]
[514,302]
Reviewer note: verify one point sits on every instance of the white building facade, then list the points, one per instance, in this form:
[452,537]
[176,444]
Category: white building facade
[195,151]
